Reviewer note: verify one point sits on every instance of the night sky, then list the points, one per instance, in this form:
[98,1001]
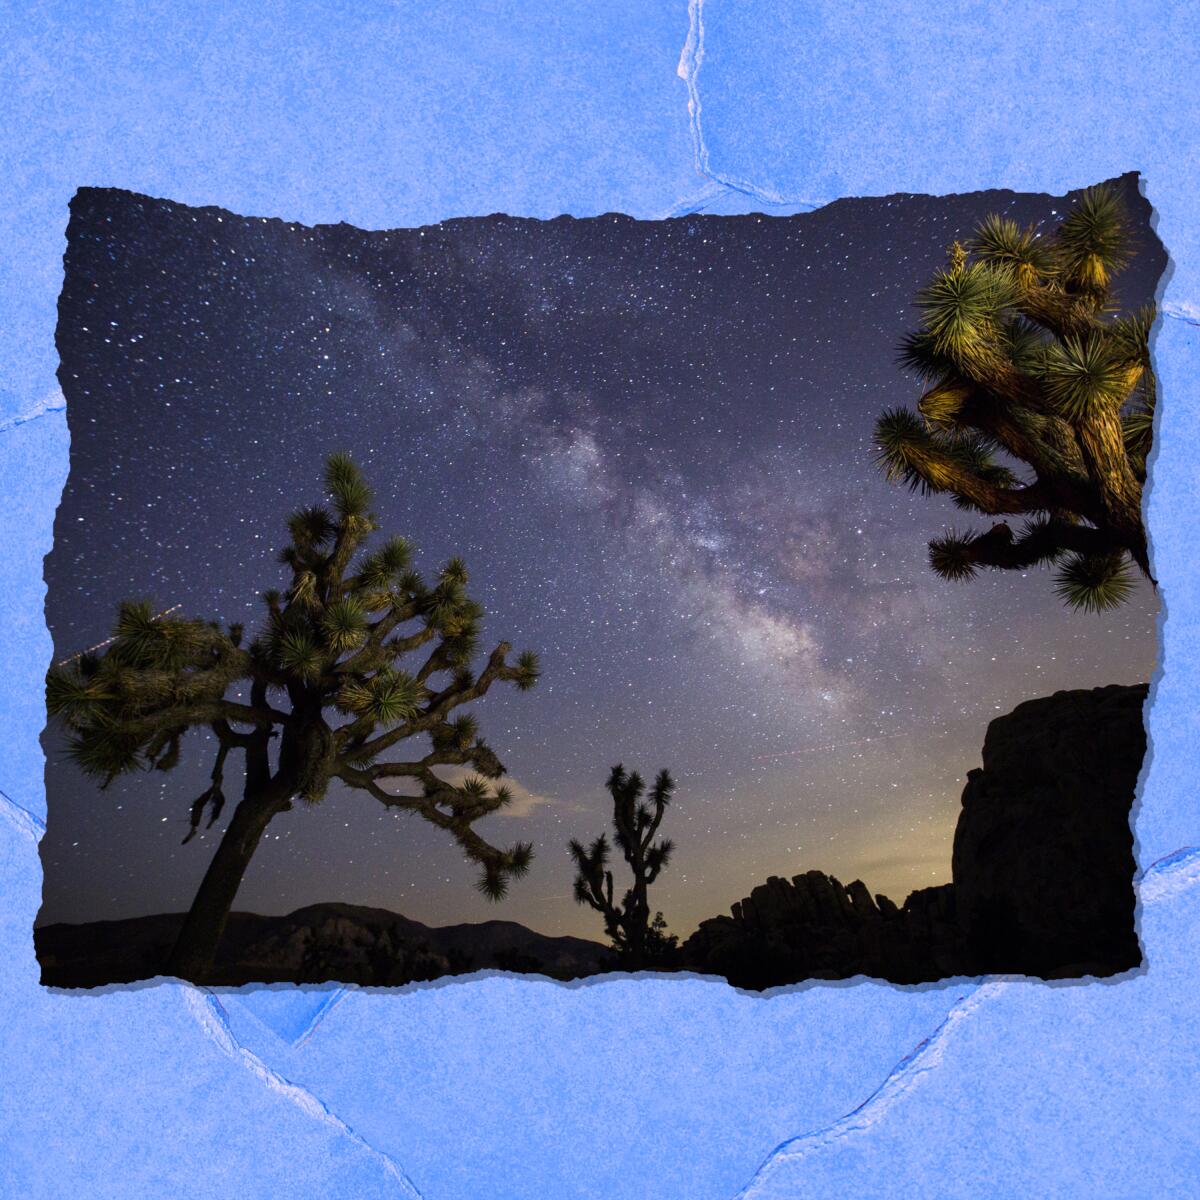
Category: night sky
[651,442]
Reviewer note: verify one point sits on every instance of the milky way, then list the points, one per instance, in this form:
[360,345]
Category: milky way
[651,442]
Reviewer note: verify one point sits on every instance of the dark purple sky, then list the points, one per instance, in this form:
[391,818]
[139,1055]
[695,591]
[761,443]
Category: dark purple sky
[651,443]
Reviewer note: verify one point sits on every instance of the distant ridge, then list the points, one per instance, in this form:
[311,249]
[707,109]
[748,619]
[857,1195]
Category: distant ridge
[349,943]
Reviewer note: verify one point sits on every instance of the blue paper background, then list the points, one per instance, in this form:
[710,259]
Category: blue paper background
[395,114]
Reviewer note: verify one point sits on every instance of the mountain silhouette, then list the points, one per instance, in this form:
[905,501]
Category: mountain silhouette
[347,943]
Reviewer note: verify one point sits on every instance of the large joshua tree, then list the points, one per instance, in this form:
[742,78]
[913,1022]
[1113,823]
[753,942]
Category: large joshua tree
[1029,365]
[318,696]
[635,824]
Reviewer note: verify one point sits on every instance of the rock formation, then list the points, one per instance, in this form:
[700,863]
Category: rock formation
[1043,852]
[815,927]
[1042,868]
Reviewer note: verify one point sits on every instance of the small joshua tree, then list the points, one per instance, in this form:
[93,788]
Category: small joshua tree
[635,824]
[330,648]
[1025,360]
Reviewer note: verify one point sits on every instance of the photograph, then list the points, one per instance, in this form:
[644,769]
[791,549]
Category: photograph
[601,601]
[758,598]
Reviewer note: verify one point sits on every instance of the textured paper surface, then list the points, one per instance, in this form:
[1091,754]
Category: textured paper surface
[409,113]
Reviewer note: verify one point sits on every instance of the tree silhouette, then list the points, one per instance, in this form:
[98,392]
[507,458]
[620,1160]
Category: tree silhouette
[330,648]
[635,824]
[1026,361]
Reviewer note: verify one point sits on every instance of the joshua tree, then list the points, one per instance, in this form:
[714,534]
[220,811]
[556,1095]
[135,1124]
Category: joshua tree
[330,647]
[634,824]
[1026,360]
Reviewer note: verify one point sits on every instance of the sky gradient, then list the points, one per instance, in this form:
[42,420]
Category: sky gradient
[651,442]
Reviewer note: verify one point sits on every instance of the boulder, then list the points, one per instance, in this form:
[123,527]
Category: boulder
[816,927]
[1043,852]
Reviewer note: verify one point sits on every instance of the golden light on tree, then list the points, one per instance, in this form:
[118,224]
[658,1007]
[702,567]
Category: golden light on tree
[1028,363]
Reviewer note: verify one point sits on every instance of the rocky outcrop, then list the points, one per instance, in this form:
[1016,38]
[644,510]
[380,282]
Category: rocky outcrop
[1043,852]
[815,927]
[1042,870]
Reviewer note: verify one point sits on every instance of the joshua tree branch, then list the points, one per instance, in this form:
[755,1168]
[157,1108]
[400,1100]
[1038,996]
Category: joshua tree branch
[1063,314]
[476,847]
[1043,542]
[375,651]
[262,715]
[942,471]
[443,703]
[228,736]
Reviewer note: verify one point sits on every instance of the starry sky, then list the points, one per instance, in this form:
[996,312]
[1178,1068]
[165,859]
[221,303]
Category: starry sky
[651,442]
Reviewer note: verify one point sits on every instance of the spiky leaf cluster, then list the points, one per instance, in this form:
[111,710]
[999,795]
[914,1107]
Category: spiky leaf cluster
[514,864]
[1039,403]
[1094,582]
[127,708]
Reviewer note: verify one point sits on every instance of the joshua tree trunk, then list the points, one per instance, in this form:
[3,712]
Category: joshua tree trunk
[638,920]
[196,946]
